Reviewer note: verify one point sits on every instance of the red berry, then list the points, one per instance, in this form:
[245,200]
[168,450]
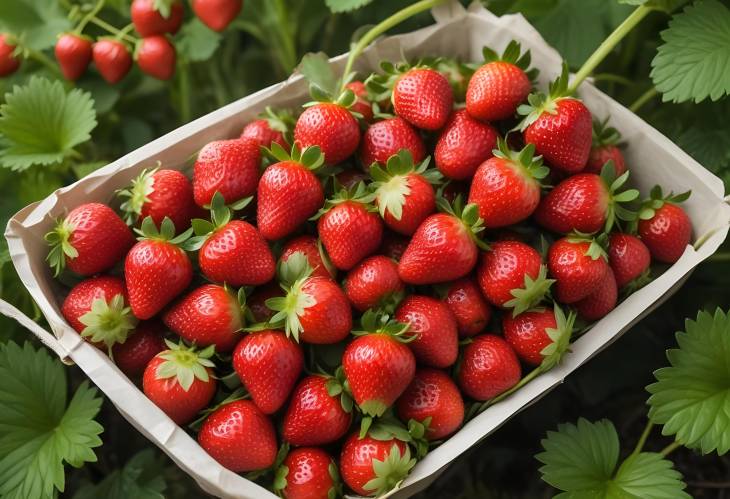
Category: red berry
[260,131]
[156,57]
[432,394]
[463,145]
[361,105]
[503,268]
[112,59]
[310,474]
[309,247]
[230,167]
[332,128]
[385,138]
[435,329]
[489,367]
[159,194]
[667,233]
[466,302]
[599,156]
[599,303]
[149,21]
[141,346]
[9,63]
[577,273]
[73,53]
[423,97]
[357,464]
[349,233]
[628,257]
[217,14]
[373,283]
[527,334]
[495,90]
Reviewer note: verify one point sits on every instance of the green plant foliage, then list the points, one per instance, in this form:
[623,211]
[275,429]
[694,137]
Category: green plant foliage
[337,6]
[35,22]
[196,42]
[140,478]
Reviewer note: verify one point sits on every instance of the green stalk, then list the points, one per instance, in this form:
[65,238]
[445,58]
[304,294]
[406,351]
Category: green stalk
[289,51]
[608,44]
[111,29]
[643,99]
[384,26]
[41,58]
[670,448]
[530,376]
[92,13]
[644,436]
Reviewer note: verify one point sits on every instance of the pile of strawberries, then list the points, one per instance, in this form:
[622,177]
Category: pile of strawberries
[324,299]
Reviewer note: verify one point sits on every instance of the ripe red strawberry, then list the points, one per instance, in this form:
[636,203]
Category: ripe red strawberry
[159,194]
[374,283]
[436,342]
[208,315]
[385,138]
[348,228]
[112,59]
[500,85]
[331,127]
[466,302]
[506,187]
[559,126]
[444,247]
[180,381]
[433,395]
[156,18]
[394,245]
[141,346]
[578,266]
[269,128]
[319,413]
[240,437]
[362,105]
[308,473]
[378,365]
[628,257]
[423,97]
[315,309]
[288,192]
[463,145]
[309,246]
[586,203]
[73,53]
[349,178]
[664,227]
[97,309]
[156,268]
[217,14]
[511,275]
[372,467]
[91,239]
[9,63]
[268,364]
[256,302]
[156,57]
[489,367]
[403,192]
[604,149]
[230,167]
[599,303]
[530,333]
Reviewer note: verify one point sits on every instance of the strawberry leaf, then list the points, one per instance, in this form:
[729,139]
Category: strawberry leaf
[316,69]
[141,477]
[196,42]
[338,6]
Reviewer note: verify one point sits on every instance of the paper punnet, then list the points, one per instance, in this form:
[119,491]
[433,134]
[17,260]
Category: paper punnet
[457,33]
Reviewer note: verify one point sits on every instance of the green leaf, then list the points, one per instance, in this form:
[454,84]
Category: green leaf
[647,475]
[691,398]
[338,6]
[664,5]
[41,123]
[316,69]
[35,22]
[694,61]
[39,431]
[196,42]
[141,478]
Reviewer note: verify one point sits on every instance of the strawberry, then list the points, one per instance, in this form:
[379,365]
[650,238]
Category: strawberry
[500,84]
[529,333]
[362,105]
[377,364]
[444,247]
[664,227]
[467,304]
[330,126]
[91,239]
[604,149]
[628,257]
[230,167]
[208,315]
[319,412]
[434,327]
[463,145]
[350,178]
[559,126]
[578,265]
[423,97]
[314,309]
[506,187]
[112,59]
[9,63]
[511,275]
[180,381]
[432,399]
[457,73]
[270,127]
[239,436]
[403,192]
[312,250]
[97,309]
[158,194]
[599,303]
[156,57]
[386,138]
[586,203]
[73,53]
[489,367]
[156,18]
[374,283]
[256,302]
[232,251]
[217,14]
[288,192]
[132,356]
[348,228]
[268,364]
[156,268]
[394,245]
[372,467]
[308,473]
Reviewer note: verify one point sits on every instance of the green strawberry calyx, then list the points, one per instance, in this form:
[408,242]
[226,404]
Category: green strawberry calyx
[604,135]
[616,196]
[59,239]
[389,427]
[531,294]
[280,470]
[185,364]
[390,472]
[469,216]
[525,160]
[358,193]
[560,336]
[376,322]
[337,386]
[391,184]
[657,199]
[539,103]
[279,120]
[513,55]
[220,215]
[148,231]
[596,247]
[380,85]
[137,194]
[324,86]
[310,157]
[108,322]
[293,275]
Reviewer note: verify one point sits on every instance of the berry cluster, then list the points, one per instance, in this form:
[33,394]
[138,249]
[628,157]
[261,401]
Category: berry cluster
[351,296]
